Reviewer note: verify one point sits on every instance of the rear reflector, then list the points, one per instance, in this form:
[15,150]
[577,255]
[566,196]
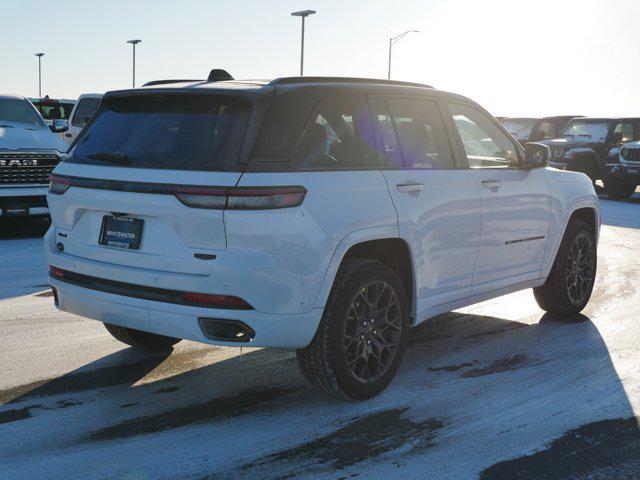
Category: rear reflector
[218,301]
[56,272]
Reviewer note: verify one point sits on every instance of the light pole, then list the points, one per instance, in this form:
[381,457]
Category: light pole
[134,43]
[302,14]
[39,55]
[392,41]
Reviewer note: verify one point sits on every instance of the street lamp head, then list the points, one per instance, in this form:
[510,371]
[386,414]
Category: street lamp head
[134,42]
[39,54]
[303,13]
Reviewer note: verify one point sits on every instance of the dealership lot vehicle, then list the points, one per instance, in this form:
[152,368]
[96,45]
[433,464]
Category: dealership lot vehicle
[587,144]
[28,152]
[526,129]
[326,215]
[53,109]
[622,178]
[83,110]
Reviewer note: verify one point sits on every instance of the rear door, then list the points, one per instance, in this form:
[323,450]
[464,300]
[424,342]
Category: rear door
[515,202]
[161,162]
[438,204]
[82,111]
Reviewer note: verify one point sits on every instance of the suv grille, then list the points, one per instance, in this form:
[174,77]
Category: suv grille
[631,154]
[16,168]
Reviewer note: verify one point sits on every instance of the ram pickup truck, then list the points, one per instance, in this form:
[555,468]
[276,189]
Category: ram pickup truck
[29,150]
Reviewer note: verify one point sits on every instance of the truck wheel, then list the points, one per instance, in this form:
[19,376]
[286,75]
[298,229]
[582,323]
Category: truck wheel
[617,190]
[361,339]
[140,339]
[570,282]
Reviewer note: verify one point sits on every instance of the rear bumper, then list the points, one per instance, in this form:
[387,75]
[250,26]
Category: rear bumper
[179,321]
[623,173]
[23,201]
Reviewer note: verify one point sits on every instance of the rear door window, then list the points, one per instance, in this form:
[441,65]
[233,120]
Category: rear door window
[338,136]
[423,139]
[86,108]
[179,132]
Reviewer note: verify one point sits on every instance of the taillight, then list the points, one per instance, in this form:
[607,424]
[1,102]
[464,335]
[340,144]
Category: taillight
[219,301]
[241,198]
[56,272]
[58,185]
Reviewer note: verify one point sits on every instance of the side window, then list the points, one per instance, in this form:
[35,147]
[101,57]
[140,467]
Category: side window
[423,139]
[86,108]
[338,137]
[623,133]
[485,144]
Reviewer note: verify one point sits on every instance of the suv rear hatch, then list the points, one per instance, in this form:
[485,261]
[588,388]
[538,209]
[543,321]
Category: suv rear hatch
[144,186]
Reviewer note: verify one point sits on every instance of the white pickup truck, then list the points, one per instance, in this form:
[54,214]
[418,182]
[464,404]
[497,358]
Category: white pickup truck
[29,149]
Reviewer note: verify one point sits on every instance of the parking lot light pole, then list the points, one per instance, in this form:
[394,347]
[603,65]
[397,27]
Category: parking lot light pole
[392,41]
[39,55]
[134,43]
[302,14]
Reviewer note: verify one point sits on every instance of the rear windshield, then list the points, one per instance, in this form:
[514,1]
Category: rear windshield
[19,111]
[54,110]
[174,131]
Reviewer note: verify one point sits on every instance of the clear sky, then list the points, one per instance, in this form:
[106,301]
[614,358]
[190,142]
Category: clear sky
[514,57]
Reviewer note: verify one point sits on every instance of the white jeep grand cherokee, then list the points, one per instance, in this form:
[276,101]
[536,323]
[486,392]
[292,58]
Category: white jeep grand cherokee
[327,215]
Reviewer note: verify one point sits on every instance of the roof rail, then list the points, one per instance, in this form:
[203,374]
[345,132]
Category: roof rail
[379,81]
[166,82]
[215,75]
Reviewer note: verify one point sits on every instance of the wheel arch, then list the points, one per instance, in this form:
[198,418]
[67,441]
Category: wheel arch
[582,155]
[389,249]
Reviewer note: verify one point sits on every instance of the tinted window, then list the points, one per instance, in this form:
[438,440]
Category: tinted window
[86,108]
[181,132]
[420,130]
[485,144]
[19,111]
[623,133]
[338,136]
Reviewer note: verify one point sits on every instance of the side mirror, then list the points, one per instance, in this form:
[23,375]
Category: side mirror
[59,126]
[536,155]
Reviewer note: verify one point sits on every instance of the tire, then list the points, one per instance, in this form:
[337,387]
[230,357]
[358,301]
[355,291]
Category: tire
[140,339]
[563,293]
[331,361]
[617,190]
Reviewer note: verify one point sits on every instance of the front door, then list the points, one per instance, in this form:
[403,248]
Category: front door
[515,202]
[438,204]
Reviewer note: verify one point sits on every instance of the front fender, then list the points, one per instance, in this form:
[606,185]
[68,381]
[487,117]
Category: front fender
[353,238]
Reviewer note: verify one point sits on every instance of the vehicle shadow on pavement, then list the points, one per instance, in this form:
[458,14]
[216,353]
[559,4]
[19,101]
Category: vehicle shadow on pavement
[475,395]
[23,268]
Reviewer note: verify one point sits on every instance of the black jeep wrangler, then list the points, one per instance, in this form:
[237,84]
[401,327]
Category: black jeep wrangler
[622,177]
[527,129]
[588,144]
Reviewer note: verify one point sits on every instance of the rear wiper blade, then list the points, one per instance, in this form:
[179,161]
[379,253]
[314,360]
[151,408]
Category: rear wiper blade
[113,157]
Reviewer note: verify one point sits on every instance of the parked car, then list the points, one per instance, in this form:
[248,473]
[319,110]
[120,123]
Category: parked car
[535,129]
[326,215]
[54,109]
[623,177]
[587,144]
[28,152]
[83,110]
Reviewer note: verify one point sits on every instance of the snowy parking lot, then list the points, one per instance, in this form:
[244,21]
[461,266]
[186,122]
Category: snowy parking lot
[497,390]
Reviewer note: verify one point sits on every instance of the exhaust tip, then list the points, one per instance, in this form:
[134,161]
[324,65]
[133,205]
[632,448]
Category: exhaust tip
[226,330]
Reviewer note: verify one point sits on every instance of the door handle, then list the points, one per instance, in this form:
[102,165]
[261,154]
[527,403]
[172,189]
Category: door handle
[68,135]
[410,187]
[491,184]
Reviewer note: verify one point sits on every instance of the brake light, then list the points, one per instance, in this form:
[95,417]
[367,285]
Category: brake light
[220,301]
[58,185]
[241,198]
